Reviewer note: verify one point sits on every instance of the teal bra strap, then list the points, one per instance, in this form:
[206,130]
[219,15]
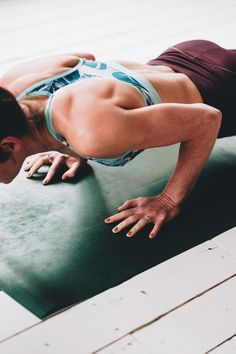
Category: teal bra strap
[48,120]
[26,92]
[39,93]
[48,113]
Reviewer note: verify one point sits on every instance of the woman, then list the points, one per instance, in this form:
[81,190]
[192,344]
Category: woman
[184,96]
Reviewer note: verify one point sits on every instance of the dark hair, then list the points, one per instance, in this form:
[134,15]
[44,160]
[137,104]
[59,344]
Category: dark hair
[12,119]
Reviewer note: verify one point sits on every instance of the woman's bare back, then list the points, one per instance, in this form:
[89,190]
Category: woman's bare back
[171,86]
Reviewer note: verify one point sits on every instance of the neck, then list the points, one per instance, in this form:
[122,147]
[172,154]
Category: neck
[39,139]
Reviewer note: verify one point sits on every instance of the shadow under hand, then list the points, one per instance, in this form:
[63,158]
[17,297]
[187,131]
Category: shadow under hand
[209,211]
[57,178]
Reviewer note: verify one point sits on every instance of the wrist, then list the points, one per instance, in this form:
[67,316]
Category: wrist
[177,195]
[169,202]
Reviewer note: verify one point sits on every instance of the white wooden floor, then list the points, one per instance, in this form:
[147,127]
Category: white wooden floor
[184,305]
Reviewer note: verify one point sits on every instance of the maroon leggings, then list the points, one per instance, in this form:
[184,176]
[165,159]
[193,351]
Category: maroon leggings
[213,70]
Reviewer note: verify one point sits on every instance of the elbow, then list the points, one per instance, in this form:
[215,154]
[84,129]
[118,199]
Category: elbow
[217,116]
[90,56]
[213,119]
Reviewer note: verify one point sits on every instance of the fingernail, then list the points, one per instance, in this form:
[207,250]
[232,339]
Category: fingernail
[28,175]
[45,181]
[107,220]
[151,236]
[115,229]
[129,234]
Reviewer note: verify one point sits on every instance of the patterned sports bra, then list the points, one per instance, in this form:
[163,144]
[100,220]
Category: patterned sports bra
[87,69]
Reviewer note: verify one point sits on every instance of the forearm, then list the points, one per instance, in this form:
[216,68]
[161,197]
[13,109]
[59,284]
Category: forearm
[195,127]
[193,155]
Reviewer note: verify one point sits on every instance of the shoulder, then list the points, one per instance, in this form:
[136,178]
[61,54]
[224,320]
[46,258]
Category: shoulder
[19,75]
[92,116]
[42,65]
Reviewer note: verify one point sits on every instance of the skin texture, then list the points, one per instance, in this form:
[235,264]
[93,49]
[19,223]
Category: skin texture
[81,108]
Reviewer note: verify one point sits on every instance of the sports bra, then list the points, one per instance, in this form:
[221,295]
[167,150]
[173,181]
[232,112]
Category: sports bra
[87,69]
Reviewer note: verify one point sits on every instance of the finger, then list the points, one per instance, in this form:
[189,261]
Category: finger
[28,164]
[37,164]
[53,169]
[137,227]
[31,161]
[128,204]
[117,217]
[130,220]
[155,230]
[72,171]
[160,221]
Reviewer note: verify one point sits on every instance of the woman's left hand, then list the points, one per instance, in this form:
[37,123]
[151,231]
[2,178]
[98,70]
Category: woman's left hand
[56,160]
[141,211]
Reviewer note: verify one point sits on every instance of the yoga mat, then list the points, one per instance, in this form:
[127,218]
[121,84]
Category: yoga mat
[56,249]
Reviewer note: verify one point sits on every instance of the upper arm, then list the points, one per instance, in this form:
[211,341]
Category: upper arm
[166,124]
[99,127]
[116,130]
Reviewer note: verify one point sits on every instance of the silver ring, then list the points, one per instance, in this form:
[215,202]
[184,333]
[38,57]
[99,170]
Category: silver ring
[148,219]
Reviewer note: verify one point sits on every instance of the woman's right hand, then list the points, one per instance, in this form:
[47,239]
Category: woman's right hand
[56,160]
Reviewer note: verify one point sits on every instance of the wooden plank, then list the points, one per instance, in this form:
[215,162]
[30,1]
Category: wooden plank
[14,318]
[125,308]
[156,291]
[227,241]
[127,345]
[195,327]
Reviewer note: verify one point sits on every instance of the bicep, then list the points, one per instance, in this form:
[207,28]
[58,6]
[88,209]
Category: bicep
[101,128]
[111,130]
[165,124]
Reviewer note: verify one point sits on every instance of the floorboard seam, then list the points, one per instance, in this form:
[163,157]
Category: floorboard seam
[165,314]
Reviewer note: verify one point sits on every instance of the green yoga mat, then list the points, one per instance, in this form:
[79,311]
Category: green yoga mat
[56,249]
